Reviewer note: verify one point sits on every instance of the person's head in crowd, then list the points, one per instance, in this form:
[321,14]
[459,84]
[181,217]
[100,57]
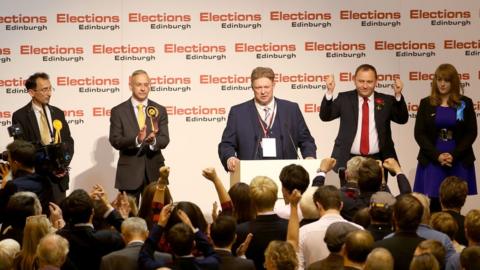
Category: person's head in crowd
[381,207]
[21,156]
[39,88]
[52,251]
[264,193]
[425,261]
[193,212]
[327,198]
[6,261]
[36,228]
[134,228]
[472,227]
[293,177]
[20,206]
[446,74]
[362,217]
[425,201]
[444,222]
[263,84]
[358,245]
[78,207]
[369,176]
[146,210]
[280,255]
[242,202]
[365,80]
[470,258]
[379,259]
[453,193]
[407,213]
[99,210]
[353,165]
[307,205]
[8,250]
[336,234]
[140,85]
[181,239]
[222,231]
[435,248]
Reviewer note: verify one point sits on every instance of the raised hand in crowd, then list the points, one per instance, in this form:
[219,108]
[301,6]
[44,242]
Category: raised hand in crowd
[211,175]
[4,172]
[122,205]
[56,216]
[294,221]
[185,219]
[327,164]
[242,248]
[164,174]
[392,166]
[215,211]
[165,215]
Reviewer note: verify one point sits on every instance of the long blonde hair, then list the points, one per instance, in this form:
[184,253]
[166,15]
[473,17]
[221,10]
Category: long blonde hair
[36,227]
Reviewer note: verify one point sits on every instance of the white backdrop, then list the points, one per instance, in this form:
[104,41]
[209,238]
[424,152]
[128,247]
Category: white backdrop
[198,54]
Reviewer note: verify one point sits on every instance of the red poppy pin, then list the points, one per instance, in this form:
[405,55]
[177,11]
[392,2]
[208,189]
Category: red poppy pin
[379,103]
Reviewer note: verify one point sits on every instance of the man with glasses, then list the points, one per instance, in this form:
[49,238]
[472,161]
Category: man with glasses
[39,122]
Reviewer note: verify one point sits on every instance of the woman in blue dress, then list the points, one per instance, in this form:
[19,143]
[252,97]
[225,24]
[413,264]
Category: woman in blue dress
[445,129]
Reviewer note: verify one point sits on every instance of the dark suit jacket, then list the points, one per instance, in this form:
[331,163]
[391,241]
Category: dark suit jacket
[230,262]
[264,228]
[464,133]
[402,246]
[131,169]
[346,105]
[87,246]
[333,261]
[146,261]
[26,118]
[243,133]
[127,258]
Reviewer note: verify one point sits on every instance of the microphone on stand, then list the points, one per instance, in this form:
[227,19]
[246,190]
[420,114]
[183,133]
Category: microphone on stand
[294,146]
[257,145]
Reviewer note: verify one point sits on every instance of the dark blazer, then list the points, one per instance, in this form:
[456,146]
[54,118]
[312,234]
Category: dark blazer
[131,169]
[346,105]
[264,228]
[146,261]
[230,262]
[127,258]
[87,246]
[243,133]
[464,133]
[26,118]
[401,245]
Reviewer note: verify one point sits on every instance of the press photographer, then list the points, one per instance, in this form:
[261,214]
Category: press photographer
[45,126]
[21,159]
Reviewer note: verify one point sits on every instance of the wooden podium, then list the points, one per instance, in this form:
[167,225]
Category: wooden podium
[248,169]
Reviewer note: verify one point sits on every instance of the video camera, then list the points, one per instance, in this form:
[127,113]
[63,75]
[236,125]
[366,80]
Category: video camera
[48,158]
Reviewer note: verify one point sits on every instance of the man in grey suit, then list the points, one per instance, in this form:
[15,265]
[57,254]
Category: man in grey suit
[139,130]
[134,232]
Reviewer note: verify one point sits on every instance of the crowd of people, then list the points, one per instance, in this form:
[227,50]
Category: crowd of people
[360,225]
[357,225]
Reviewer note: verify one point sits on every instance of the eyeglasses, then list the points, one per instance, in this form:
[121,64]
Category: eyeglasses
[45,90]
